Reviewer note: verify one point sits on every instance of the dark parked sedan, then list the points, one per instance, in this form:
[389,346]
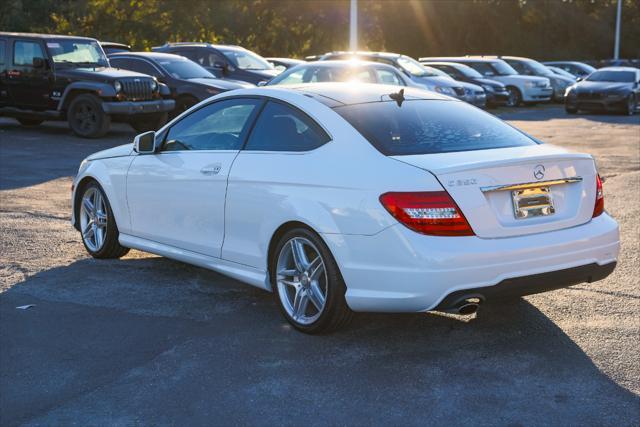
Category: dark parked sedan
[189,82]
[578,69]
[224,61]
[608,89]
[496,92]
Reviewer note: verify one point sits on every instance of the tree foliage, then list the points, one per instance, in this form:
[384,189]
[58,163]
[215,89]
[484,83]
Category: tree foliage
[544,29]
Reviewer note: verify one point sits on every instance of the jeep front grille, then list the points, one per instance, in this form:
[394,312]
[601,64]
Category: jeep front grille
[137,89]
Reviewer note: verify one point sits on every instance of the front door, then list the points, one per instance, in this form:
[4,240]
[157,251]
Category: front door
[177,196]
[28,86]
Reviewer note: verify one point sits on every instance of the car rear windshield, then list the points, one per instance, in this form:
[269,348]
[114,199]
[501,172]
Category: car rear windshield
[612,76]
[430,126]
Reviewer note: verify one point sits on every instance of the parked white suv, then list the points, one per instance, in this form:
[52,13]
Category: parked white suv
[522,89]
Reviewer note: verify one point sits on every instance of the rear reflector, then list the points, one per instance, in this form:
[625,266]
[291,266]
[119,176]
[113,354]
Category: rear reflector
[428,212]
[599,206]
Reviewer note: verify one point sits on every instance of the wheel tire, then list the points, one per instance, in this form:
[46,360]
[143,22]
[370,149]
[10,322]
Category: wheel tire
[149,122]
[571,110]
[108,245]
[515,97]
[183,103]
[30,122]
[631,105]
[335,313]
[86,118]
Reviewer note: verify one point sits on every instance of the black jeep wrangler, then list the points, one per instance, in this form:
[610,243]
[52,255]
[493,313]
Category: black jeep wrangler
[47,77]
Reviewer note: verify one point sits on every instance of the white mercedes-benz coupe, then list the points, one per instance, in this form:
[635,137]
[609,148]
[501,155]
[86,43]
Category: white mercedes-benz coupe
[343,197]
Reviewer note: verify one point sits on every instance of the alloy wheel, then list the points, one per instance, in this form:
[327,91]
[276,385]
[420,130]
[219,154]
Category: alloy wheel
[93,219]
[302,280]
[512,100]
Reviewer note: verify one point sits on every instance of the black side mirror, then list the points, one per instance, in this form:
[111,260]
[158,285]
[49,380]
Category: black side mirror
[39,63]
[145,143]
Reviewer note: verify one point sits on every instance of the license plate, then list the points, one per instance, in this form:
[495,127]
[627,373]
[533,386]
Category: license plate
[532,202]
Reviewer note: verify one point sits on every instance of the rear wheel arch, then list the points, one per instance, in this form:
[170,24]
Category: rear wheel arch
[275,238]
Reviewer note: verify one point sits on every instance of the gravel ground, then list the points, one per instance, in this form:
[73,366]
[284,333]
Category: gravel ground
[153,341]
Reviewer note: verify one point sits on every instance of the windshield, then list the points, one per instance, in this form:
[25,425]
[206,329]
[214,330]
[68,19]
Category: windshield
[246,60]
[612,76]
[77,52]
[503,69]
[413,67]
[426,127]
[469,72]
[436,72]
[538,68]
[185,69]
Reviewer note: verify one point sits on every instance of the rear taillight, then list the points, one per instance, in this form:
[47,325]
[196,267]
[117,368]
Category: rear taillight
[429,212]
[599,207]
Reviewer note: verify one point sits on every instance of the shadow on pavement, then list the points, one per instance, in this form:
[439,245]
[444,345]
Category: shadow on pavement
[33,155]
[153,341]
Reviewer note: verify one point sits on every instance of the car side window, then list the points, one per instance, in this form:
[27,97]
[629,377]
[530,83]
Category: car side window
[222,125]
[388,77]
[24,52]
[483,68]
[2,51]
[518,66]
[284,128]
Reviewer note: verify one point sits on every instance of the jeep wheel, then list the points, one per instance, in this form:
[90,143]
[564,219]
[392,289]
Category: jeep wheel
[30,122]
[86,118]
[149,122]
[631,105]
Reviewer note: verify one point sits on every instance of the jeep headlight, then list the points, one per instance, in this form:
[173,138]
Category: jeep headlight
[154,85]
[117,86]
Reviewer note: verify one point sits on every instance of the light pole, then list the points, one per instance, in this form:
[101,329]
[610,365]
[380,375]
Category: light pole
[353,26]
[616,49]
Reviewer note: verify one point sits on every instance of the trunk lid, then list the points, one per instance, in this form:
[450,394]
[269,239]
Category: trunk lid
[474,178]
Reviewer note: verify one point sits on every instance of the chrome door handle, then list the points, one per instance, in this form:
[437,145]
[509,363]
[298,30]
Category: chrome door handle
[210,170]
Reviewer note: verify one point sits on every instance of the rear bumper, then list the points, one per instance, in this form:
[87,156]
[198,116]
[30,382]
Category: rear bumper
[528,285]
[398,270]
[142,107]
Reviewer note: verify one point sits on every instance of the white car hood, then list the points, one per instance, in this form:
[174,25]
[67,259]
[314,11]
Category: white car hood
[119,151]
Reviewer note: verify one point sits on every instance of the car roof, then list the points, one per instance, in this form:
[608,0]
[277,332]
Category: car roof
[452,64]
[345,63]
[44,36]
[114,44]
[273,58]
[200,44]
[386,55]
[459,59]
[338,94]
[150,55]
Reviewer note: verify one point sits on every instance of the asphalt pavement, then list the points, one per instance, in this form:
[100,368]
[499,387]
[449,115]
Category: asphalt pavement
[148,340]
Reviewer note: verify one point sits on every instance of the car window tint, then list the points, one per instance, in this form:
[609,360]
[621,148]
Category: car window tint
[218,126]
[426,127]
[518,66]
[388,77]
[483,68]
[25,51]
[283,128]
[2,51]
[293,77]
[141,66]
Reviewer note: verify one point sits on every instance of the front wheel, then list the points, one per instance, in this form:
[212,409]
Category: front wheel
[571,110]
[515,97]
[86,118]
[307,283]
[631,105]
[97,225]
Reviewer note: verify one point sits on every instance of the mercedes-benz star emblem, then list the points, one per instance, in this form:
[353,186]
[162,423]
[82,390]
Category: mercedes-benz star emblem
[538,172]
